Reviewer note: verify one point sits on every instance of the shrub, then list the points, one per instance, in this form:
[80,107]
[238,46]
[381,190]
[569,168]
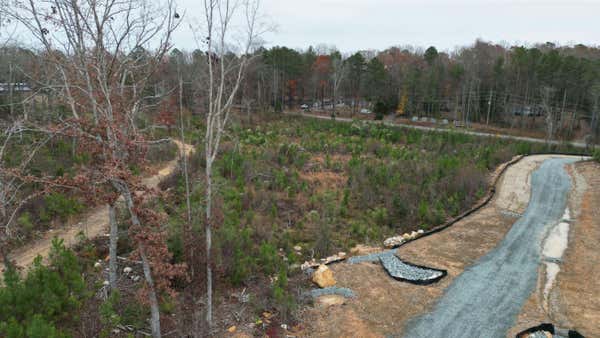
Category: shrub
[380,216]
[380,110]
[423,210]
[47,295]
[25,222]
[236,252]
[62,206]
[358,230]
[596,155]
[232,165]
[284,301]
[267,258]
[291,154]
[109,315]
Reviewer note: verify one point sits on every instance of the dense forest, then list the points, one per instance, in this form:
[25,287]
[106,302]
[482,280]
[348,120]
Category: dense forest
[484,82]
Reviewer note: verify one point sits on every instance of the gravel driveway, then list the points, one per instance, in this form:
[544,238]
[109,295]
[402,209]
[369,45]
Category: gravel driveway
[486,298]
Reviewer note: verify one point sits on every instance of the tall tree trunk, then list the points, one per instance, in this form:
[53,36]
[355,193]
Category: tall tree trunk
[208,229]
[154,309]
[153,299]
[487,120]
[188,232]
[112,248]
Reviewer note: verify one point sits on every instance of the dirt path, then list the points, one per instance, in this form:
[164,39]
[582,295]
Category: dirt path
[384,306]
[95,221]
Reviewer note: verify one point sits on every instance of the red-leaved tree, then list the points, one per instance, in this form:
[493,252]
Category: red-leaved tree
[100,58]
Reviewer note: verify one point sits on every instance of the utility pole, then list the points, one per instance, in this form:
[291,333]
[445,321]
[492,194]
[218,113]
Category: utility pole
[487,121]
[562,111]
[468,107]
[11,90]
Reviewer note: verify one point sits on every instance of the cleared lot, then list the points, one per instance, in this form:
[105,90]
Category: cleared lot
[485,300]
[384,306]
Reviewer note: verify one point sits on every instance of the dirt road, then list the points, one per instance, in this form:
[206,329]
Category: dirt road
[95,221]
[485,300]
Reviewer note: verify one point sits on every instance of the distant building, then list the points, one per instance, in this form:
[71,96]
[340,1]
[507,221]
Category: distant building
[20,97]
[17,87]
[526,110]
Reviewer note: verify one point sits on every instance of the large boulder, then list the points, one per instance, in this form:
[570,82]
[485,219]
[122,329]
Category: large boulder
[393,242]
[323,277]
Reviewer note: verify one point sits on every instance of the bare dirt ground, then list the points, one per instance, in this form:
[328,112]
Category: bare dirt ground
[383,306]
[573,301]
[94,224]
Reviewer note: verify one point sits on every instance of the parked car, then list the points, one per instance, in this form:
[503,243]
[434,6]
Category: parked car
[365,111]
[528,111]
[305,107]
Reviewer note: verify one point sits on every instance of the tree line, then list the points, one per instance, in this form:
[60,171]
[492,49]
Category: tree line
[483,82]
[105,75]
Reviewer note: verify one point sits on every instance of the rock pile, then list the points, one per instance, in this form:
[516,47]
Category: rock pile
[409,272]
[540,334]
[396,241]
[323,261]
[332,290]
[372,257]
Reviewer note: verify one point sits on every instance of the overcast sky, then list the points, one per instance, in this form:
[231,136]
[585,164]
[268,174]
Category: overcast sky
[353,25]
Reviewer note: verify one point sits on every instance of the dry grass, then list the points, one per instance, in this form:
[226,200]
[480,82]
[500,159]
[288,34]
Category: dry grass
[320,178]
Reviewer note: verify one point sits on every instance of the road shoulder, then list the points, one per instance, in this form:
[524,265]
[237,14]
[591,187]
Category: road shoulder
[573,302]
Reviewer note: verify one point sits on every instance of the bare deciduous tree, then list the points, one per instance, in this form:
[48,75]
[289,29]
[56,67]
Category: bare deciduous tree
[103,55]
[339,69]
[228,54]
[546,96]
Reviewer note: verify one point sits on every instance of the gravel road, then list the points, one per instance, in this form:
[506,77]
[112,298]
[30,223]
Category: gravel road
[445,130]
[486,298]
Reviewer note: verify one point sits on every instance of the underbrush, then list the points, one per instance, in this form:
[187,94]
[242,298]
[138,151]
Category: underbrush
[48,295]
[288,190]
[293,189]
[57,158]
